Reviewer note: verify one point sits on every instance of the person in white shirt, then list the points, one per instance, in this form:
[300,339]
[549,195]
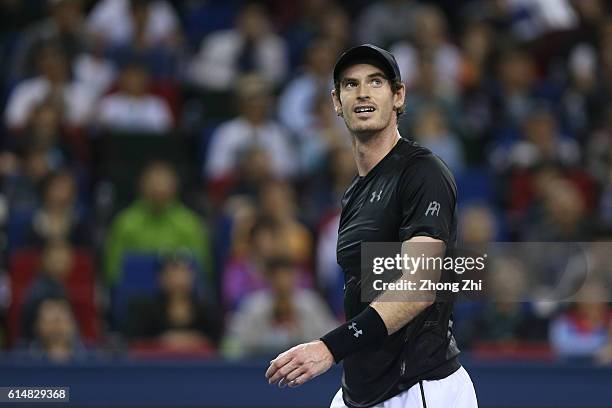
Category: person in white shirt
[133,108]
[54,82]
[252,127]
[296,104]
[250,47]
[64,24]
[119,22]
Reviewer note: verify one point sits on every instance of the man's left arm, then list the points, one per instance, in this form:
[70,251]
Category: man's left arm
[397,313]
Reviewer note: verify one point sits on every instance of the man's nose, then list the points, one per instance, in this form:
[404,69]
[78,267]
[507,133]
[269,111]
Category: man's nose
[363,92]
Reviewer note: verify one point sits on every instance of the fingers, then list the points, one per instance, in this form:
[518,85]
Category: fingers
[300,380]
[294,367]
[296,373]
[278,363]
[283,372]
[286,381]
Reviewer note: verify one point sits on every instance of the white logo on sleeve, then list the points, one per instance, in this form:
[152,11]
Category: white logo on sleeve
[353,326]
[433,208]
[375,196]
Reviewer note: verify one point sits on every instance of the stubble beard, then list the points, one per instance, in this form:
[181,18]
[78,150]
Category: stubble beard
[367,134]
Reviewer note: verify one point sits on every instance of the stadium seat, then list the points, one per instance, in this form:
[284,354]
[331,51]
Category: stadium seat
[218,105]
[202,18]
[18,225]
[474,185]
[138,278]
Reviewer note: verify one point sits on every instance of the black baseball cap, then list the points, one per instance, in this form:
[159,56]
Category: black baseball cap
[368,54]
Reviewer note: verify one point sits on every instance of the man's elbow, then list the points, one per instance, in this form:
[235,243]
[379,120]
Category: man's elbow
[423,302]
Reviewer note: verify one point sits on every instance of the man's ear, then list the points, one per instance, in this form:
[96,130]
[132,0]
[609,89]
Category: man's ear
[336,102]
[400,98]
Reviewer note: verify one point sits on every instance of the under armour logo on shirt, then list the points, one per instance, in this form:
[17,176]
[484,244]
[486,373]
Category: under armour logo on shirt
[375,196]
[433,208]
[353,326]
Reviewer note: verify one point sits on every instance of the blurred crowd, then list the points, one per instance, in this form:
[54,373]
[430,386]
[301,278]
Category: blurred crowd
[171,171]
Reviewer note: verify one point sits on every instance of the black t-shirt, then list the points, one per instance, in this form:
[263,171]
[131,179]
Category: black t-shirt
[410,192]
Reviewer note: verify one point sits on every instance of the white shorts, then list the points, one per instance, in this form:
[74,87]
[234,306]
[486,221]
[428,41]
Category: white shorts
[454,391]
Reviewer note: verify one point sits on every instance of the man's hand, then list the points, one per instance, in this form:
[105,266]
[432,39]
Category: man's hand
[299,364]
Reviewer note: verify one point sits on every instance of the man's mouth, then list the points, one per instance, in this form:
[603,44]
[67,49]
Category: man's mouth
[364,109]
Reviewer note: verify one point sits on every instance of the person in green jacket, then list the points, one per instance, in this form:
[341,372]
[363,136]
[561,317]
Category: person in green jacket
[156,222]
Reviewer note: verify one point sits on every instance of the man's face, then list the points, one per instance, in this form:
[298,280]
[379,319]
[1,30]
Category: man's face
[159,186]
[54,322]
[366,101]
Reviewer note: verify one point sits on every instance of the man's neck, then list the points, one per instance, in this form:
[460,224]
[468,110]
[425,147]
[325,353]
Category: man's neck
[369,151]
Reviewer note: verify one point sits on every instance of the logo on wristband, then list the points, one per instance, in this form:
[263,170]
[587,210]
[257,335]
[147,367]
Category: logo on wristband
[353,326]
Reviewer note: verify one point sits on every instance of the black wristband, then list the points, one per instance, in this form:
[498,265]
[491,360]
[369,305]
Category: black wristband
[365,329]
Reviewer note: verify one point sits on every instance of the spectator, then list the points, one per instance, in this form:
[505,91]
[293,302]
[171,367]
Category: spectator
[46,131]
[269,321]
[298,104]
[255,240]
[56,264]
[517,90]
[64,25]
[562,217]
[134,108]
[580,104]
[53,82]
[506,319]
[156,222]
[251,47]
[24,178]
[277,202]
[253,170]
[56,333]
[324,194]
[530,20]
[477,45]
[542,143]
[424,94]
[325,134]
[151,23]
[176,316]
[386,22]
[317,19]
[584,330]
[60,217]
[335,25]
[254,126]
[432,132]
[477,225]
[430,40]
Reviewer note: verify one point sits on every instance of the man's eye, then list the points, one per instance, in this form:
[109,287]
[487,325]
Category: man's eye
[377,82]
[351,84]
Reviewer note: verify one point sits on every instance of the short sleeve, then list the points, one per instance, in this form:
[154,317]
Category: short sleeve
[428,195]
